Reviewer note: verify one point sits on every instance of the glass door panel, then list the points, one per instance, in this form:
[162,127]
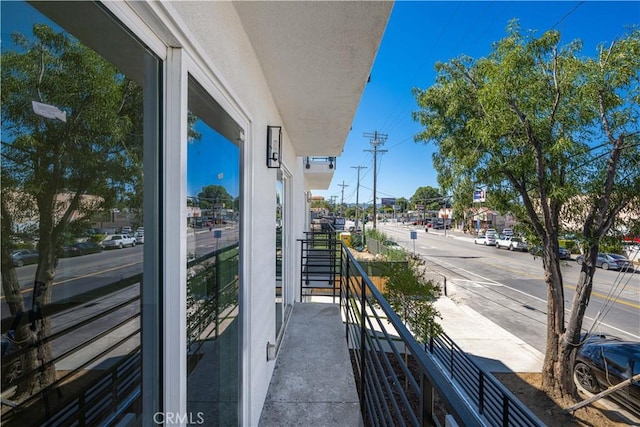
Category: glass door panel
[212,222]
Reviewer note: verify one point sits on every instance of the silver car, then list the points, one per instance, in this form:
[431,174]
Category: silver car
[118,241]
[608,261]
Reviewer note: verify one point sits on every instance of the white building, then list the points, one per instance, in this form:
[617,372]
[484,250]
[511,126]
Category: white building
[242,69]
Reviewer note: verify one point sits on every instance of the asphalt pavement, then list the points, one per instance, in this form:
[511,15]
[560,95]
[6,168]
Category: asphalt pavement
[491,347]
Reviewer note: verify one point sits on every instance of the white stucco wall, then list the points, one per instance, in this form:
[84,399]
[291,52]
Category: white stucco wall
[226,50]
[209,39]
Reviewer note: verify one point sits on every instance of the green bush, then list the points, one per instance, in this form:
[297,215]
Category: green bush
[97,238]
[570,245]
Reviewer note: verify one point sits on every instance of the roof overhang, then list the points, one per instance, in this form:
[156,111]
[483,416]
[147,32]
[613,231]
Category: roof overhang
[316,57]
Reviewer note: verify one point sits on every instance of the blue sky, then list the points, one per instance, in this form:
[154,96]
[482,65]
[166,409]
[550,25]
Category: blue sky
[418,35]
[212,160]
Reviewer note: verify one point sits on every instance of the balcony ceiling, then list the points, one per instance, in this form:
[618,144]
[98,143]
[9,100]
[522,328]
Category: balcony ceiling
[316,57]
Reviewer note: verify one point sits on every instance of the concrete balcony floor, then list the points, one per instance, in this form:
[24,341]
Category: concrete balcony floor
[313,383]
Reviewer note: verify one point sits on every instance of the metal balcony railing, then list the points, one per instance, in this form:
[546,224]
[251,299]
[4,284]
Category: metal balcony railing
[330,162]
[401,381]
[111,394]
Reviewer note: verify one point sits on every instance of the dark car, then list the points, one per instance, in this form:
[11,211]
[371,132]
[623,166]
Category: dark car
[605,361]
[562,252]
[83,248]
[610,261]
[22,257]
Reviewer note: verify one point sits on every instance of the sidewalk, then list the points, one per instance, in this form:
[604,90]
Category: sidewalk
[491,347]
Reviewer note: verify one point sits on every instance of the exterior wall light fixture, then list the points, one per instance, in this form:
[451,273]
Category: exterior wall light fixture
[274,147]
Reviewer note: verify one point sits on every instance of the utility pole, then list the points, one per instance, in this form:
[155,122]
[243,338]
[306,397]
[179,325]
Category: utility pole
[333,202]
[357,192]
[377,139]
[342,197]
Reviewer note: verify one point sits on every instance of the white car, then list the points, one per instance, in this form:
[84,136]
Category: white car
[513,243]
[118,241]
[139,238]
[489,240]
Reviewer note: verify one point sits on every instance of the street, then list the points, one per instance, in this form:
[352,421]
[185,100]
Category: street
[508,287]
[81,274]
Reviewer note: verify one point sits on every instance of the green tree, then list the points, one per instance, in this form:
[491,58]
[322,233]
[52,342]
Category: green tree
[462,199]
[60,172]
[212,194]
[411,296]
[349,212]
[402,204]
[429,197]
[552,136]
[320,204]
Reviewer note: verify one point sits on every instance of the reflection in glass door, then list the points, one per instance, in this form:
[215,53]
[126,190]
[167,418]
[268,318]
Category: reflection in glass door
[279,249]
[283,297]
[212,222]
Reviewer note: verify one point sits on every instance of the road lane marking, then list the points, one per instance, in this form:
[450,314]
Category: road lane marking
[25,291]
[567,306]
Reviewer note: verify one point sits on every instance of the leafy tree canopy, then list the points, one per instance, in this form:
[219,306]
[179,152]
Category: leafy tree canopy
[554,138]
[214,194]
[428,197]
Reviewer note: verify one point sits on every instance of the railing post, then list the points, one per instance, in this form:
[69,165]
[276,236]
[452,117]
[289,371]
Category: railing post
[505,410]
[346,279]
[451,361]
[363,330]
[332,262]
[216,309]
[426,402]
[431,339]
[481,392]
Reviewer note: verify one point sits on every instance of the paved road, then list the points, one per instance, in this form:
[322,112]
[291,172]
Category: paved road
[508,287]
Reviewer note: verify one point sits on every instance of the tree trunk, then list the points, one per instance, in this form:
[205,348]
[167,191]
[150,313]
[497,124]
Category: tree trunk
[32,328]
[552,370]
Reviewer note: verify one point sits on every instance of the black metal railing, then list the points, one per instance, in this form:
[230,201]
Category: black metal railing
[320,268]
[490,398]
[212,290]
[400,380]
[104,397]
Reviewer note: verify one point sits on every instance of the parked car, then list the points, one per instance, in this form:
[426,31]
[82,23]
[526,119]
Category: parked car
[562,252]
[22,257]
[513,243]
[82,248]
[480,240]
[508,231]
[126,230]
[90,248]
[485,240]
[605,361]
[139,236]
[118,241]
[608,261]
